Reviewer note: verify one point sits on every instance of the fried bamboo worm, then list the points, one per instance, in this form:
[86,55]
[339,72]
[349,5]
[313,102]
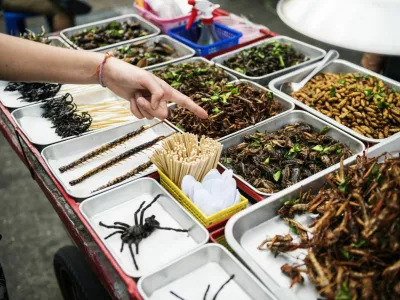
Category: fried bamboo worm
[113,161]
[104,148]
[122,178]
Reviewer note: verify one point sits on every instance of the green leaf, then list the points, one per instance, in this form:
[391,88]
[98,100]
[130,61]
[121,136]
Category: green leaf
[343,186]
[346,254]
[339,150]
[292,202]
[240,70]
[296,147]
[277,175]
[214,98]
[342,81]
[228,160]
[255,144]
[332,91]
[175,84]
[210,82]
[261,55]
[216,110]
[205,99]
[217,88]
[343,293]
[359,244]
[368,92]
[235,91]
[292,152]
[294,229]
[383,104]
[325,130]
[266,161]
[318,148]
[327,149]
[281,62]
[179,126]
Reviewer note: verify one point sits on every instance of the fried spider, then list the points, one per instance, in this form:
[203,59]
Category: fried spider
[141,230]
[208,288]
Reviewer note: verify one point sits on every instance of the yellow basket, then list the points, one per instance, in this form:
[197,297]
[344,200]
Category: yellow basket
[194,210]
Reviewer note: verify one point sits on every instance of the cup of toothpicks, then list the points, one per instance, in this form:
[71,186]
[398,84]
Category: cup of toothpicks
[184,154]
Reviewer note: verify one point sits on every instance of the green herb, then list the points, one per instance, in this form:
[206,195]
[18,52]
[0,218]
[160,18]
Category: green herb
[343,186]
[175,84]
[318,148]
[216,110]
[326,150]
[281,62]
[214,98]
[179,126]
[266,161]
[225,98]
[261,55]
[344,293]
[235,91]
[359,244]
[277,175]
[339,150]
[205,99]
[332,91]
[383,104]
[216,88]
[342,81]
[228,160]
[293,151]
[255,144]
[294,229]
[292,202]
[324,130]
[346,254]
[240,70]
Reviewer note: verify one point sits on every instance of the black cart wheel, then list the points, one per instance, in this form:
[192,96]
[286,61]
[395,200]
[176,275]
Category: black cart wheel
[75,277]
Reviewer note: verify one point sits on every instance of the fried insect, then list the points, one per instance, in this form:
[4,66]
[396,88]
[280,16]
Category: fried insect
[31,36]
[63,114]
[293,273]
[208,288]
[191,78]
[265,59]
[112,33]
[142,54]
[124,177]
[106,147]
[273,161]
[33,92]
[354,250]
[113,161]
[230,107]
[139,231]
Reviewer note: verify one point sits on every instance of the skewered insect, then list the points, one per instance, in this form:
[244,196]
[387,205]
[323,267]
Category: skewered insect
[32,91]
[113,161]
[208,288]
[104,148]
[124,177]
[293,273]
[139,231]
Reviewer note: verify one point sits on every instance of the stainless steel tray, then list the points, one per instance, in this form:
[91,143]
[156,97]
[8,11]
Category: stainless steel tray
[40,131]
[294,116]
[245,231]
[161,246]
[154,30]
[313,53]
[56,41]
[183,51]
[10,99]
[286,105]
[190,275]
[65,152]
[197,59]
[337,66]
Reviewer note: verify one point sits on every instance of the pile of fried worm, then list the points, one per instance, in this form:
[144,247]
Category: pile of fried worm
[354,252]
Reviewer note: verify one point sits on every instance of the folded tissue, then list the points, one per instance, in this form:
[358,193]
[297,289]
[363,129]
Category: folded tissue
[215,193]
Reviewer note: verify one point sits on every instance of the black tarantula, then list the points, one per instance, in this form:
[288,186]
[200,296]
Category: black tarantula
[136,233]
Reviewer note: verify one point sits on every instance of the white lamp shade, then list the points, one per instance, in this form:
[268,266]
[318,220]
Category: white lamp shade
[363,25]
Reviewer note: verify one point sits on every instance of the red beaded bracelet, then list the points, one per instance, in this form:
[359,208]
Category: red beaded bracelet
[99,70]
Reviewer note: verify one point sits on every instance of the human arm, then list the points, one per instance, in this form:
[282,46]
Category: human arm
[22,60]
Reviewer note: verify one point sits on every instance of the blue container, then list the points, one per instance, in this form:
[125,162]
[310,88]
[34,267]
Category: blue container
[228,38]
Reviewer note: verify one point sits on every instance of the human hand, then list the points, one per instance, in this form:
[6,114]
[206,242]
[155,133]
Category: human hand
[148,94]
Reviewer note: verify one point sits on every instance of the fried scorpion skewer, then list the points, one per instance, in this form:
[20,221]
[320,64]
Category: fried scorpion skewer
[113,161]
[122,178]
[105,147]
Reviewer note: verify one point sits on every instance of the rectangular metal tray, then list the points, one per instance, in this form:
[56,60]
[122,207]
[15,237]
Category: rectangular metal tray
[39,130]
[313,53]
[182,50]
[10,99]
[197,59]
[294,116]
[245,231]
[287,107]
[65,152]
[154,30]
[161,246]
[337,66]
[57,41]
[190,275]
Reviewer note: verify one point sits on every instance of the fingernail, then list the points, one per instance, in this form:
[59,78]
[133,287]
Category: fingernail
[141,101]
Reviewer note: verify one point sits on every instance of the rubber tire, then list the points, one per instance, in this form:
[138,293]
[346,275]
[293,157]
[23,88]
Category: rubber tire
[76,279]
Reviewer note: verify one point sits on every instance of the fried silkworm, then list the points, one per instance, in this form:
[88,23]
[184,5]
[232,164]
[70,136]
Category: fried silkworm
[122,178]
[105,147]
[116,160]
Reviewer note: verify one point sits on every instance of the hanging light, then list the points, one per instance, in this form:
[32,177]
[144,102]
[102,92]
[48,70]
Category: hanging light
[363,25]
